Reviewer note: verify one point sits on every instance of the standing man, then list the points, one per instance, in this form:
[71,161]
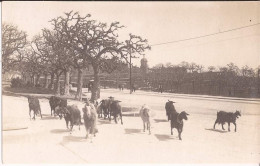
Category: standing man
[160,87]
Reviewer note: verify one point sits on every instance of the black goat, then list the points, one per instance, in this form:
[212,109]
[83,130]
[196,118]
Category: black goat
[116,110]
[177,121]
[71,114]
[57,102]
[229,117]
[34,105]
[169,107]
[105,108]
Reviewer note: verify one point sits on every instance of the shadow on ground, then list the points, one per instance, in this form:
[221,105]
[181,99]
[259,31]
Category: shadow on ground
[160,120]
[217,130]
[59,131]
[49,117]
[72,138]
[132,131]
[104,121]
[164,137]
[131,114]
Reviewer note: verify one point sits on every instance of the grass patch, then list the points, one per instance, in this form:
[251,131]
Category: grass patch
[41,92]
[31,90]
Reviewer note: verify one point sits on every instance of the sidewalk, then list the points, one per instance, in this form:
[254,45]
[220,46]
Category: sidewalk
[192,96]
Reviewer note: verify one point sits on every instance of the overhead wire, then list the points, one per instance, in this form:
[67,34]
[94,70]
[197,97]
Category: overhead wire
[202,36]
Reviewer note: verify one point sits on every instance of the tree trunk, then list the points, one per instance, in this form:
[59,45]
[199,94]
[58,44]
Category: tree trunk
[52,81]
[78,95]
[95,91]
[57,84]
[32,79]
[46,80]
[67,82]
[37,81]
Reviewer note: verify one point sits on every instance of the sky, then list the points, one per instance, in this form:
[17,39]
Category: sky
[161,22]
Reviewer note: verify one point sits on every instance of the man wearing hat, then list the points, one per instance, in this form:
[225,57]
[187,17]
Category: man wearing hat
[170,109]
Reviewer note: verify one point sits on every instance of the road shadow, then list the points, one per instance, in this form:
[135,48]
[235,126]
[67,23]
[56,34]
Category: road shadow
[160,120]
[50,118]
[104,121]
[131,114]
[163,137]
[46,114]
[132,131]
[71,138]
[217,130]
[59,131]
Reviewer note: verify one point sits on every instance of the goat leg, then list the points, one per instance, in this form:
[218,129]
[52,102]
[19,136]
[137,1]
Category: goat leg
[30,113]
[149,127]
[40,112]
[235,126]
[67,124]
[121,117]
[144,126]
[215,124]
[86,133]
[222,126]
[179,131]
[228,126]
[109,115]
[33,115]
[115,117]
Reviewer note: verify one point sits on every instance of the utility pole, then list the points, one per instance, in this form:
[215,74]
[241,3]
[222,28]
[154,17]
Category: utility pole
[130,72]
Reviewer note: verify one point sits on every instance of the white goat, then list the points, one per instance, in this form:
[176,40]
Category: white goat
[145,113]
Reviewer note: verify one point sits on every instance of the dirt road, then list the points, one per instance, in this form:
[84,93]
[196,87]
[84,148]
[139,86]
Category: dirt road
[48,140]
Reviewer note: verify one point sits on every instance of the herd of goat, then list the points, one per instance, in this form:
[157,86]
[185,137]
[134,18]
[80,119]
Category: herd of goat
[108,108]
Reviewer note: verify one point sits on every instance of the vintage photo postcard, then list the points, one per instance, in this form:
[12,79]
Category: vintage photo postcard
[134,82]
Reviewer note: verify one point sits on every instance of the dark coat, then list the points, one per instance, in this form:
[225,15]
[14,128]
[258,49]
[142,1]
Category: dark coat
[57,102]
[227,117]
[34,105]
[90,119]
[116,110]
[177,121]
[72,115]
[169,107]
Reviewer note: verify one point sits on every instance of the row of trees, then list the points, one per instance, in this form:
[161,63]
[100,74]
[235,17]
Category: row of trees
[231,67]
[74,41]
[189,78]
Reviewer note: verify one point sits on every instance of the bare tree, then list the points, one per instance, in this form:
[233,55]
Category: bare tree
[13,42]
[211,68]
[59,57]
[97,44]
[192,67]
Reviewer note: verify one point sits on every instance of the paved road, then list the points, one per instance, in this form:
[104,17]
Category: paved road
[48,141]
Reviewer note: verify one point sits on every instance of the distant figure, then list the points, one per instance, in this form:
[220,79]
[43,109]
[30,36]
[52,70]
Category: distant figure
[133,88]
[160,88]
[90,85]
[121,87]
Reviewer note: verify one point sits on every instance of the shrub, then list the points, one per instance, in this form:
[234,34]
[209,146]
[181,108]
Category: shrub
[38,86]
[17,83]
